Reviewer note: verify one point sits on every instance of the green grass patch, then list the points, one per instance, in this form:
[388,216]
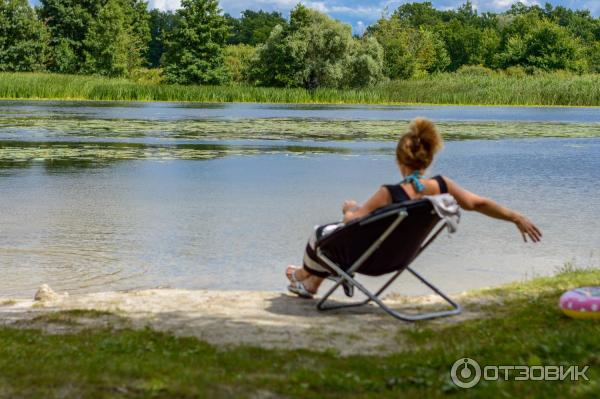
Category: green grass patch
[526,329]
[551,89]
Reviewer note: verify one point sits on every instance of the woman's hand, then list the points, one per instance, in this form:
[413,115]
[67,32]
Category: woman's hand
[527,228]
[349,205]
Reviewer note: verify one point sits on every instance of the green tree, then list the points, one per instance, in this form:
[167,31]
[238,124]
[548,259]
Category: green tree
[418,14]
[277,62]
[237,60]
[194,49]
[544,45]
[431,52]
[400,62]
[254,27]
[463,43]
[364,66]
[70,21]
[594,57]
[162,23]
[109,47]
[409,51]
[23,38]
[312,51]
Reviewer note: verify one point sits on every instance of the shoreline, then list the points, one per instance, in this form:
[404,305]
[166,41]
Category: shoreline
[266,319]
[446,89]
[333,104]
[269,320]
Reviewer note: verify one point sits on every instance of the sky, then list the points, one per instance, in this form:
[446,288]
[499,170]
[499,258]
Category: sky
[362,13]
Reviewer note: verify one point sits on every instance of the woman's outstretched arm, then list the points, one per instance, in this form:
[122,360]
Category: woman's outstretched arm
[473,202]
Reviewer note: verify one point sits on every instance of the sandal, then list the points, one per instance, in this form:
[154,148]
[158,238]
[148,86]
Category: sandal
[299,289]
[292,276]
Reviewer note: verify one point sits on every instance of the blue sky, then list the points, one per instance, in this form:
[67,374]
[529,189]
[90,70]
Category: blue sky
[361,13]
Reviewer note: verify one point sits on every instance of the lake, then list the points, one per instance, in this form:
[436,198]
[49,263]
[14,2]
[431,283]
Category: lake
[115,196]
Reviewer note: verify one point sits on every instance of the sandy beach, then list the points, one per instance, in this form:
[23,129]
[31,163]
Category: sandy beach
[225,318]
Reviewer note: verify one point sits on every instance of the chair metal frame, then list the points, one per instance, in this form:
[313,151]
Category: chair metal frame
[347,276]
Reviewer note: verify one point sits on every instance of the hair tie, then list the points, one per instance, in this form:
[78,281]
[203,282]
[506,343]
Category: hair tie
[413,178]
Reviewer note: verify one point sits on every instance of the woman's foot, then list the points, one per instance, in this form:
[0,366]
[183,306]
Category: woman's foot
[299,289]
[306,288]
[295,273]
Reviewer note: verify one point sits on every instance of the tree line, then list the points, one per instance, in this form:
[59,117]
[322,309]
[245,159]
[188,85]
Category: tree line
[198,44]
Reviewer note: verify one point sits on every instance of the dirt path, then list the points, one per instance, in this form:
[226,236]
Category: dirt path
[266,319]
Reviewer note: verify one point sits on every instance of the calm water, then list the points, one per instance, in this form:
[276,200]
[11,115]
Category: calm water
[234,218]
[175,111]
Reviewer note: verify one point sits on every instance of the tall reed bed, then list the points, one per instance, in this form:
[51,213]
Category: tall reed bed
[496,89]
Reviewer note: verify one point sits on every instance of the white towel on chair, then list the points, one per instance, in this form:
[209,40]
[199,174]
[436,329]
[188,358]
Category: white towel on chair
[447,208]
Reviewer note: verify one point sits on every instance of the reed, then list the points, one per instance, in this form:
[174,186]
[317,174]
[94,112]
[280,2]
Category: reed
[552,89]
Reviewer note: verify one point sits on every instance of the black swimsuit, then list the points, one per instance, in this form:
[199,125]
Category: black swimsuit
[399,194]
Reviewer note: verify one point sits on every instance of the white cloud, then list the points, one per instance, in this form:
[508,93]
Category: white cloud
[360,27]
[502,4]
[164,4]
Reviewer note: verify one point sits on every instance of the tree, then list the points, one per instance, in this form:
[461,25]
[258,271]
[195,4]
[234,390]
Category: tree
[23,38]
[277,62]
[546,46]
[70,21]
[409,51]
[364,66]
[194,48]
[395,36]
[109,47]
[254,27]
[237,60]
[312,51]
[594,57]
[463,43]
[417,14]
[162,23]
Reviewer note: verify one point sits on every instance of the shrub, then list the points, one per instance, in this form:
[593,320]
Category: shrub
[474,70]
[515,71]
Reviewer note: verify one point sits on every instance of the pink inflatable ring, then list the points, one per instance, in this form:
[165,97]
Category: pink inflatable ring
[581,303]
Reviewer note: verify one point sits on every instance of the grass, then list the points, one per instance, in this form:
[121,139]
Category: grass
[526,329]
[551,89]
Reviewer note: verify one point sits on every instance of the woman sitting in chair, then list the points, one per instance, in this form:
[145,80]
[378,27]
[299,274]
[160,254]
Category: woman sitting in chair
[414,154]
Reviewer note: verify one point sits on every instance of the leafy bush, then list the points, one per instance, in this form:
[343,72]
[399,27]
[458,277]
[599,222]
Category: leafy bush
[237,60]
[474,70]
[515,71]
[147,75]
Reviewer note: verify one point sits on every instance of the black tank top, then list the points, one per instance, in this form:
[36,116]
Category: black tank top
[399,194]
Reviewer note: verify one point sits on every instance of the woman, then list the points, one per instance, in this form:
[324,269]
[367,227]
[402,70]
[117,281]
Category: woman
[414,153]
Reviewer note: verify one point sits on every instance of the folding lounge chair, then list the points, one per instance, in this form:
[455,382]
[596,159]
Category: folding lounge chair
[386,241]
